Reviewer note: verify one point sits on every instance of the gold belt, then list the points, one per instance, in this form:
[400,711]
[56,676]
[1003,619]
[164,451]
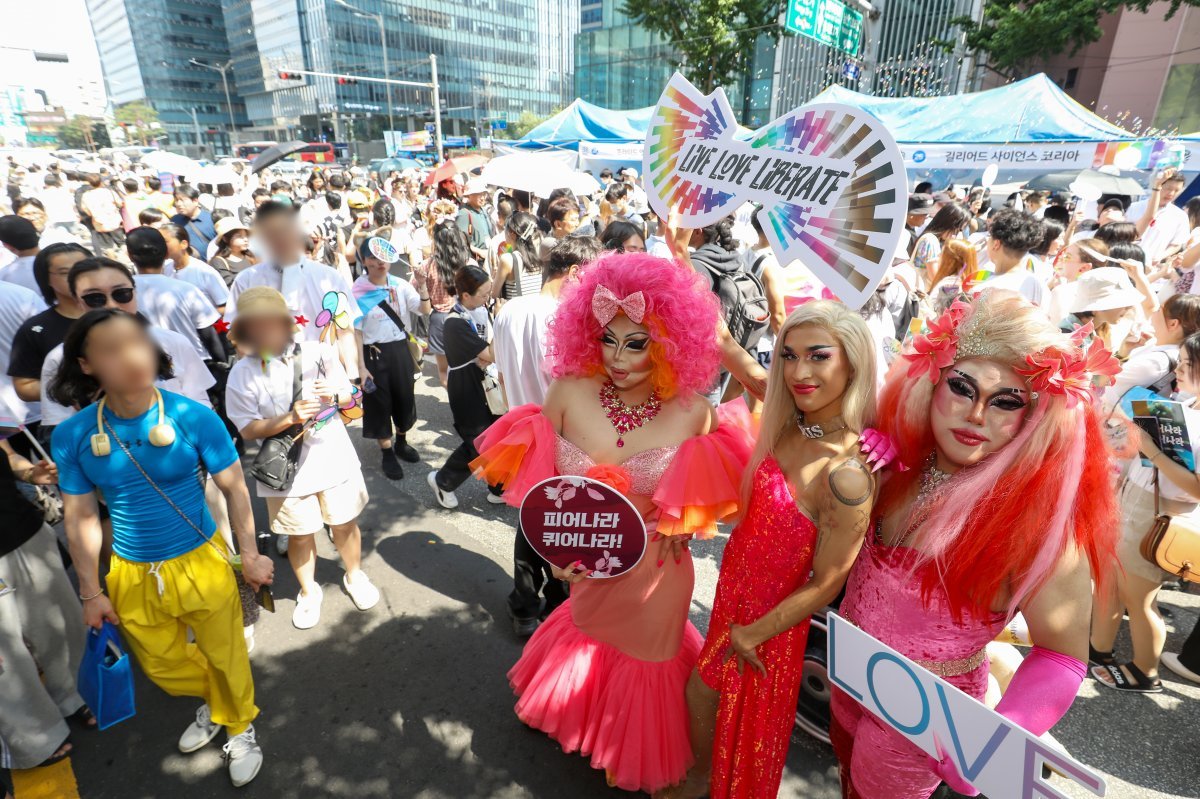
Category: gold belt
[942,668]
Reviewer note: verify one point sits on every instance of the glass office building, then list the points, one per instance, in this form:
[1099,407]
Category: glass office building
[145,50]
[496,58]
[619,64]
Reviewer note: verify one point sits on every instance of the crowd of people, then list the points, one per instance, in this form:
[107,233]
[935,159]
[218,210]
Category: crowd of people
[951,454]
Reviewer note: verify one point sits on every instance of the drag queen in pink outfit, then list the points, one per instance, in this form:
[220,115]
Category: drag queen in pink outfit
[633,346]
[1009,505]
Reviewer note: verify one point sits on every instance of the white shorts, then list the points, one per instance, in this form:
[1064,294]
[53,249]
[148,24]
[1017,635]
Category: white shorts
[308,514]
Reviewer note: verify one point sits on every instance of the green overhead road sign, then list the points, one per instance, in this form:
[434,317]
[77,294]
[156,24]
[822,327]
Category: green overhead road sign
[830,22]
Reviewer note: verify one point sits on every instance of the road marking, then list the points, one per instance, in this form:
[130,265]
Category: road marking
[50,782]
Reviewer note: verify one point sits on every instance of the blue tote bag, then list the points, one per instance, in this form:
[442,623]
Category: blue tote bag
[106,677]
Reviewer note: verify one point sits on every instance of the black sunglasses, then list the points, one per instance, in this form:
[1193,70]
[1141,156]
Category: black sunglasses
[98,299]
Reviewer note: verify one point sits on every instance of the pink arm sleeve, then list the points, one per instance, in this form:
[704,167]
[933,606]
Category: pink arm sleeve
[1042,690]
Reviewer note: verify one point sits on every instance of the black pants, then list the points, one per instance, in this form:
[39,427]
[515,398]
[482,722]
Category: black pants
[532,580]
[1189,656]
[393,401]
[457,468]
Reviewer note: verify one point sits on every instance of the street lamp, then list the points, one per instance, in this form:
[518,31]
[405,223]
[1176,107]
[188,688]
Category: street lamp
[358,12]
[222,68]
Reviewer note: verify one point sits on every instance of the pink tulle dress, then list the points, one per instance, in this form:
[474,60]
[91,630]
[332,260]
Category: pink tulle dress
[768,557]
[605,674]
[884,599]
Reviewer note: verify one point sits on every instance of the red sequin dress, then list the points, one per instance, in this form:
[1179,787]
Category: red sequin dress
[768,557]
[605,674]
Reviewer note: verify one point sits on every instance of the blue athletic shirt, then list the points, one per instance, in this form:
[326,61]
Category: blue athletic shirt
[145,528]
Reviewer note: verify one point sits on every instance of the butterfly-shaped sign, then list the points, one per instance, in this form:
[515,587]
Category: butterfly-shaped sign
[829,176]
[383,249]
[349,409]
[334,314]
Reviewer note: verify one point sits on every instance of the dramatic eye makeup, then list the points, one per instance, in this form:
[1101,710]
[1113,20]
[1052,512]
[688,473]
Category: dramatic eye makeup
[817,353]
[1005,399]
[637,342]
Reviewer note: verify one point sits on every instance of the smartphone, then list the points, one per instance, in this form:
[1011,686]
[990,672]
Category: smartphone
[265,599]
[368,386]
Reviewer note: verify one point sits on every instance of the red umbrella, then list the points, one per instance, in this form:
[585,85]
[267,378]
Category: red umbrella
[454,166]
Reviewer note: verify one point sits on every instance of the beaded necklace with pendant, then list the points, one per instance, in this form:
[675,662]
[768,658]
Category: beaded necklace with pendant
[625,418]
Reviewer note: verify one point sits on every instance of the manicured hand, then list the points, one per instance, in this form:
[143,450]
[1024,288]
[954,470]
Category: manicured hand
[944,767]
[880,449]
[743,645]
[572,574]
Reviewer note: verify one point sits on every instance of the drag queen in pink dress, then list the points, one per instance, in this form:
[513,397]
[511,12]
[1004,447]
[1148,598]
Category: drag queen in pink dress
[633,346]
[1009,506]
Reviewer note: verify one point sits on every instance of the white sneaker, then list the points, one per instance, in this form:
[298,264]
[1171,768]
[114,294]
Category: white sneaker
[495,499]
[199,732]
[362,591]
[446,499]
[281,545]
[245,757]
[248,634]
[1172,662]
[308,608]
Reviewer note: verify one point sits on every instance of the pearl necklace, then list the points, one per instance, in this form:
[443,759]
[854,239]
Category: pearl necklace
[625,418]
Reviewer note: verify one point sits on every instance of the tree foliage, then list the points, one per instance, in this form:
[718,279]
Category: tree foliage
[1016,35]
[138,119]
[525,123]
[714,38]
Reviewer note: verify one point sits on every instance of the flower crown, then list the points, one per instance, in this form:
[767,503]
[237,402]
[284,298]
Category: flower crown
[1072,371]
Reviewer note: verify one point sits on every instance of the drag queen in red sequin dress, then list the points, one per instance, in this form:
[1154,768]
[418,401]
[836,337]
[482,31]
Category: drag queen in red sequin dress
[809,507]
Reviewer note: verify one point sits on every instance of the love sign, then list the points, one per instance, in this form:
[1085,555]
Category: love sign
[567,519]
[830,179]
[995,755]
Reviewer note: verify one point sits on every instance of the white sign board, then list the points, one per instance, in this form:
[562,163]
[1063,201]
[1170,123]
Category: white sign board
[830,179]
[998,757]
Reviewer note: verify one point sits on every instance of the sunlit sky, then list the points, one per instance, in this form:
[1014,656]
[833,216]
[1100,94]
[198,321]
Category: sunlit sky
[53,25]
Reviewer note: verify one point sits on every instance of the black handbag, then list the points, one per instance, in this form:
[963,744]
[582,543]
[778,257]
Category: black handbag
[278,457]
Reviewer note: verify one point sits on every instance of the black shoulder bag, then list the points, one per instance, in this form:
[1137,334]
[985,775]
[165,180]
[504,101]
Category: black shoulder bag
[279,456]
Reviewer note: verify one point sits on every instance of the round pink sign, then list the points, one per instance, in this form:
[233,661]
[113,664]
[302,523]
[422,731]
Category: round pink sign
[570,518]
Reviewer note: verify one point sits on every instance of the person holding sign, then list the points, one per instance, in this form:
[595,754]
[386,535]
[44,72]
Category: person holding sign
[1155,483]
[1009,506]
[633,345]
[808,508]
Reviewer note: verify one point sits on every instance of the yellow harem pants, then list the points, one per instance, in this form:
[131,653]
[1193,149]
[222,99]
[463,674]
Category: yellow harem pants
[158,602]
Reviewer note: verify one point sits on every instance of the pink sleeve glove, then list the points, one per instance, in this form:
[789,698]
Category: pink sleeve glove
[1039,694]
[1042,690]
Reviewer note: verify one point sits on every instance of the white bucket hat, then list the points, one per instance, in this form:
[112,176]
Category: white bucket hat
[1104,289]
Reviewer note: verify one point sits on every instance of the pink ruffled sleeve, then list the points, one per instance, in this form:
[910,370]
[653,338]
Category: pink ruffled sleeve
[517,452]
[703,484]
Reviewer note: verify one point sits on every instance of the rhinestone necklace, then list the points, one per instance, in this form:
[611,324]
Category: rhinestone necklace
[625,418]
[816,430]
[932,478]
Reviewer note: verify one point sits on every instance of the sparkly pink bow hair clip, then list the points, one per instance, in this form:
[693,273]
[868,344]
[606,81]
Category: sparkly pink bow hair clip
[606,305]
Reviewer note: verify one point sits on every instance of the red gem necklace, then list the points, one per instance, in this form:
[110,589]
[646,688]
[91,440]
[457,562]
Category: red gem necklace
[625,418]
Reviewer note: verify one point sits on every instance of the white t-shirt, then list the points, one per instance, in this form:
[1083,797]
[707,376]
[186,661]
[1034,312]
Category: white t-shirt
[192,378]
[177,305]
[203,277]
[519,344]
[1169,227]
[307,283]
[60,205]
[327,457]
[1145,365]
[377,327]
[1019,280]
[17,304]
[20,271]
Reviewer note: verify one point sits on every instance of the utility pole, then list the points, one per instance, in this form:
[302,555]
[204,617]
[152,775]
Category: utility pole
[222,68]
[196,127]
[437,110]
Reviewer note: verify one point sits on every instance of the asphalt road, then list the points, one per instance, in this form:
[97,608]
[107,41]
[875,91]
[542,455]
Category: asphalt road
[410,699]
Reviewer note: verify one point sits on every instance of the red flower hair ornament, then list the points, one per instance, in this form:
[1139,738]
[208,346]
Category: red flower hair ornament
[1075,373]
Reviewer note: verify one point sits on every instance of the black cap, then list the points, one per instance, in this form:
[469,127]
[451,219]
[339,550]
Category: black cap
[920,204]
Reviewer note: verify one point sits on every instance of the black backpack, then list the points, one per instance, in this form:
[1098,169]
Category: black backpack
[743,302]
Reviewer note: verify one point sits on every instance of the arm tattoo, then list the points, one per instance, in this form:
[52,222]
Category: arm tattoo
[851,464]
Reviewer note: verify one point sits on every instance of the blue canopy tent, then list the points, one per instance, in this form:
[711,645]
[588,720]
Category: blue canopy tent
[1027,127]
[591,137]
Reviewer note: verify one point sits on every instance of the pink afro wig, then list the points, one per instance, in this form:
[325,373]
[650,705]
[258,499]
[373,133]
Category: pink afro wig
[681,316]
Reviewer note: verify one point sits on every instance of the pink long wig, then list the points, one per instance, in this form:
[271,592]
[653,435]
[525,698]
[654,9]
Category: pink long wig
[681,315]
[1006,522]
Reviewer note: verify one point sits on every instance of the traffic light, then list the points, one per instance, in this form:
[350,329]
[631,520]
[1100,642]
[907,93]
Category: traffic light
[290,76]
[347,81]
